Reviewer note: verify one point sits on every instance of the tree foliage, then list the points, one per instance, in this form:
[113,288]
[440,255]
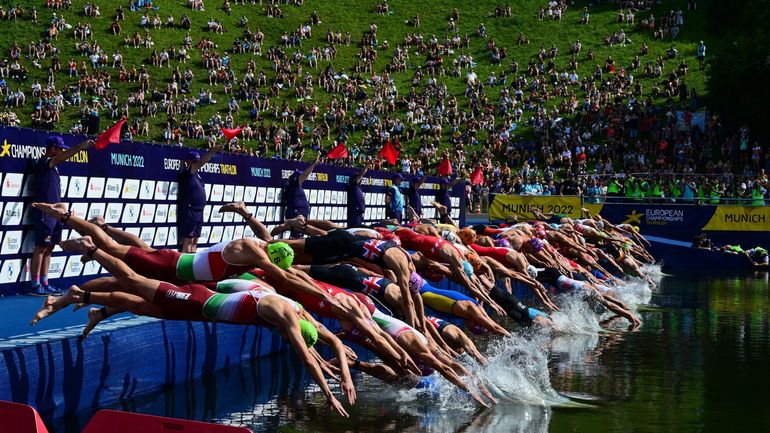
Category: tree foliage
[739,81]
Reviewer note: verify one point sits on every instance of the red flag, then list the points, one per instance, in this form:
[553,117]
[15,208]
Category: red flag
[112,135]
[445,167]
[477,177]
[341,151]
[389,152]
[231,133]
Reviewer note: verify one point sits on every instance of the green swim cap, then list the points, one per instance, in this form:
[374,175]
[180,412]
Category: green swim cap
[281,254]
[309,333]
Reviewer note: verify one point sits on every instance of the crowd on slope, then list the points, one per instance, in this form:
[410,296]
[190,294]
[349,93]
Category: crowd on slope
[605,123]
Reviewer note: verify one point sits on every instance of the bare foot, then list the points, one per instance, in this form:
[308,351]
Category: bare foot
[78,245]
[439,207]
[53,304]
[238,207]
[57,210]
[95,315]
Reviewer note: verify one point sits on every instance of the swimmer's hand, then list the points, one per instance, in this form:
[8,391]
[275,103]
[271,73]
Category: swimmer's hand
[336,304]
[497,308]
[348,390]
[336,405]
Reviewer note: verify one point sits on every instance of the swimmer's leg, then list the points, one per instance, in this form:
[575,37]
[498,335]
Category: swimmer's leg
[256,225]
[84,228]
[324,225]
[128,280]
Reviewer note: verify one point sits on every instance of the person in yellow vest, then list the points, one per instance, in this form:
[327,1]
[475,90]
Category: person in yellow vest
[657,191]
[629,189]
[715,193]
[701,191]
[758,195]
[645,188]
[613,189]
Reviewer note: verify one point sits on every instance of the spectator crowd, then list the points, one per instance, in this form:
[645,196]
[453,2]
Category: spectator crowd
[538,128]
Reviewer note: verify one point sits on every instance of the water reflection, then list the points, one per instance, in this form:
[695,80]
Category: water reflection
[699,363]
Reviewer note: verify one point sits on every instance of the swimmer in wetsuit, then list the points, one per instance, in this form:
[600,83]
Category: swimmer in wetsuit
[442,251]
[362,282]
[190,302]
[507,262]
[339,245]
[223,260]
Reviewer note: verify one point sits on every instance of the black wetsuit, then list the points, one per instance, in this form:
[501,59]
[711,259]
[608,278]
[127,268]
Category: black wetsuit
[517,311]
[333,247]
[349,277]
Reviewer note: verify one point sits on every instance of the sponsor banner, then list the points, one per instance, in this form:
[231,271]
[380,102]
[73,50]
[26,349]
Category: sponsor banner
[748,226]
[740,218]
[684,221]
[12,184]
[519,206]
[96,187]
[78,187]
[133,185]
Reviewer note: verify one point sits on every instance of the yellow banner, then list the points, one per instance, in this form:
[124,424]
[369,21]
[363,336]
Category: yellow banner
[740,218]
[505,206]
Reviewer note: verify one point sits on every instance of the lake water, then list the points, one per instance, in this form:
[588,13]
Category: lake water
[699,364]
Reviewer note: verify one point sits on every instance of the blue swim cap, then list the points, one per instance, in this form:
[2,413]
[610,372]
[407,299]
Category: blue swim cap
[467,268]
[533,312]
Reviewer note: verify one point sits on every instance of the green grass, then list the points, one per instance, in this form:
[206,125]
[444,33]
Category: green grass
[356,16]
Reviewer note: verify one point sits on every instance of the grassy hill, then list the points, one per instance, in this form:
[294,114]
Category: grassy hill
[356,16]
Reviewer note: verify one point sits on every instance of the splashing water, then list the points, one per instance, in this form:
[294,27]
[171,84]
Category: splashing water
[518,370]
[575,315]
[653,272]
[635,292]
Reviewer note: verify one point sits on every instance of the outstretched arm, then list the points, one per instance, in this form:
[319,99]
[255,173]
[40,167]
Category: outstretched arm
[67,154]
[195,166]
[324,335]
[361,174]
[290,330]
[308,170]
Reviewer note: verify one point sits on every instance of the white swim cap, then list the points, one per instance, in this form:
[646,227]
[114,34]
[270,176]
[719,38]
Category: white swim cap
[532,271]
[449,236]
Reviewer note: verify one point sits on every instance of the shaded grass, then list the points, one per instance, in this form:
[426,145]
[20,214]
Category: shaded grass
[356,16]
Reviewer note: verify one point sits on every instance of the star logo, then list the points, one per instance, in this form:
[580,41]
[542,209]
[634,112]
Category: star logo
[6,148]
[633,218]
